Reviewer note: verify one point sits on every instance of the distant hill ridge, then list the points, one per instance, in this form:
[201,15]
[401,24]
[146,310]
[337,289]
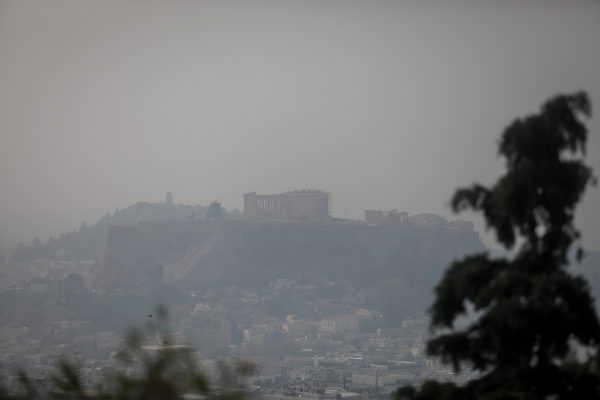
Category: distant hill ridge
[90,241]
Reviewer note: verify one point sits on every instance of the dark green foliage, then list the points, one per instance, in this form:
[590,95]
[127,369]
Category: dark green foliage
[543,182]
[67,381]
[530,308]
[434,391]
[214,210]
[30,392]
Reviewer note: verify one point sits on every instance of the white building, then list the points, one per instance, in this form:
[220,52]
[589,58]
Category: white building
[281,284]
[339,323]
[382,379]
[257,333]
[296,329]
[249,293]
[39,287]
[199,307]
[253,338]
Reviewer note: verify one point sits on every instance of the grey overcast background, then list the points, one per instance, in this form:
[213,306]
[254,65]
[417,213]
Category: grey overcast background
[385,104]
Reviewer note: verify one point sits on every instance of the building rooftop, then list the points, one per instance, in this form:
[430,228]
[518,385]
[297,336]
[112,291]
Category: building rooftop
[340,317]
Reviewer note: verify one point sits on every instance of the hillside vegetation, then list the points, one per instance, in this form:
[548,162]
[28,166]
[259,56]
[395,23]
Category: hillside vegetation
[90,241]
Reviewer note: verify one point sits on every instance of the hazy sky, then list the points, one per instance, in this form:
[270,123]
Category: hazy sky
[387,104]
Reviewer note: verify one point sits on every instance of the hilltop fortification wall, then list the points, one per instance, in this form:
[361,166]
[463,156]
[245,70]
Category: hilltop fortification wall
[195,254]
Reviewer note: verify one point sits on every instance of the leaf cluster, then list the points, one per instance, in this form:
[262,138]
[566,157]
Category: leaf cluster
[159,373]
[214,210]
[530,310]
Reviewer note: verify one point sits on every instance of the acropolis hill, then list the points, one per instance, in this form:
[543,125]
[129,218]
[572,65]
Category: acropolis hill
[194,254]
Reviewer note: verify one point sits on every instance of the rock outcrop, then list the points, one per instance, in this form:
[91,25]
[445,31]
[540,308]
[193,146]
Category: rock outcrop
[196,254]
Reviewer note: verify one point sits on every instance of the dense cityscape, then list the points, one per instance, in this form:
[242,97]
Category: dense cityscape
[306,335]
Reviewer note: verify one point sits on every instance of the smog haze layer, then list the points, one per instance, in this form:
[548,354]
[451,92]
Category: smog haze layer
[387,105]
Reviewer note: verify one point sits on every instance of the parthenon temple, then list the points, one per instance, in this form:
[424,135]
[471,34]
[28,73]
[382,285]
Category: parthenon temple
[289,205]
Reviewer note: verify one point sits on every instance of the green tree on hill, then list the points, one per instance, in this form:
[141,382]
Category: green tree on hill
[214,210]
[530,309]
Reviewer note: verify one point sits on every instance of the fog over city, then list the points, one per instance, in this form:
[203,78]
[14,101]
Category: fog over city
[266,194]
[385,105]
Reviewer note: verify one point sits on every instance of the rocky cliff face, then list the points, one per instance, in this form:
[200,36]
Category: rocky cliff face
[196,254]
